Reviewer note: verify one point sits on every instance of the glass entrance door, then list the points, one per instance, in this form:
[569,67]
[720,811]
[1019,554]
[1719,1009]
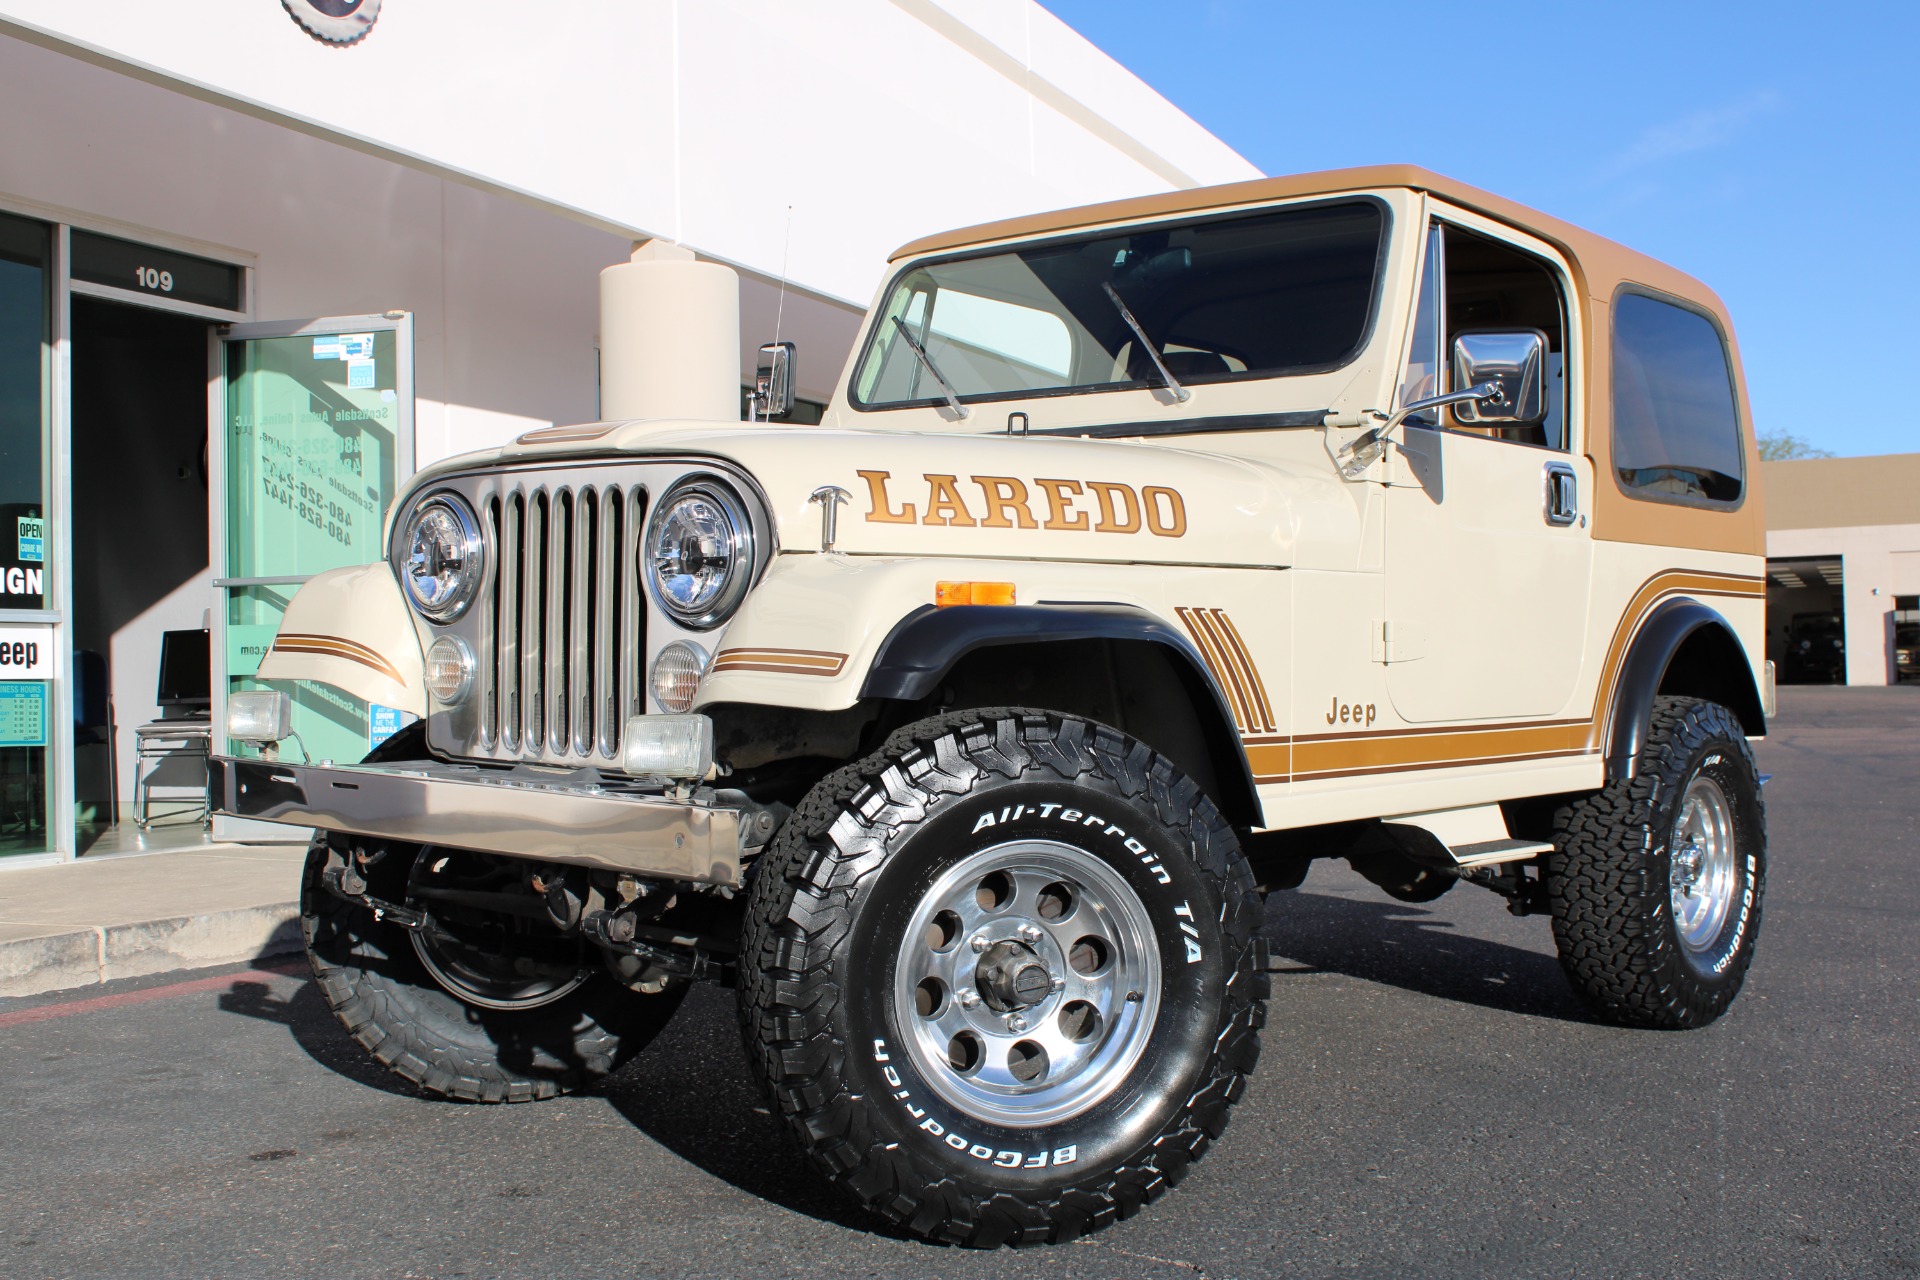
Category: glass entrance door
[315,425]
[28,709]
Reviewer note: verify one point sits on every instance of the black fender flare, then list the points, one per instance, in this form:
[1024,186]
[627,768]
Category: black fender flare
[1667,629]
[924,646]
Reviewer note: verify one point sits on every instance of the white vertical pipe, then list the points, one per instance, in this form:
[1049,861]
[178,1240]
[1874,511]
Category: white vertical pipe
[669,337]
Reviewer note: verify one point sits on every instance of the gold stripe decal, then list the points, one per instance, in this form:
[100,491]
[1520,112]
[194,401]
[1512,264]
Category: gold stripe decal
[335,647]
[1671,583]
[791,662]
[1276,757]
[1232,667]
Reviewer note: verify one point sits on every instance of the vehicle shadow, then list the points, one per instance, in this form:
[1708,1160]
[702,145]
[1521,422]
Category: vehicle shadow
[314,1028]
[1414,948]
[690,1091]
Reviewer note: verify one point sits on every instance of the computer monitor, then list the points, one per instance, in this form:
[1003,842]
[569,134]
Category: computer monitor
[186,670]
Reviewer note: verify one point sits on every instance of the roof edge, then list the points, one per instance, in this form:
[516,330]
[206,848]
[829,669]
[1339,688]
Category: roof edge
[1577,242]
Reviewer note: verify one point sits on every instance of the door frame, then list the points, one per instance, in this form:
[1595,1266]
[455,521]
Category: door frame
[400,323]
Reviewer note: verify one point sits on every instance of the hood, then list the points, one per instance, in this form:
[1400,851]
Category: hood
[994,496]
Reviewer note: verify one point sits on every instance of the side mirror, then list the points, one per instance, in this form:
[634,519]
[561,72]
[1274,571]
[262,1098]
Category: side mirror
[773,382]
[1515,362]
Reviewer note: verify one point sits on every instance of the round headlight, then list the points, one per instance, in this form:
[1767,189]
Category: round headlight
[449,674]
[442,557]
[698,552]
[676,676]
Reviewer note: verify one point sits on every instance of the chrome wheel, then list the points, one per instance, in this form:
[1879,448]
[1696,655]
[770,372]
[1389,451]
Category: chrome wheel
[1703,875]
[485,958]
[1027,982]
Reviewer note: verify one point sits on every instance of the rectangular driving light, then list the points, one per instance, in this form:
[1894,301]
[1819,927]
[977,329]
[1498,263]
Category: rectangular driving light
[259,717]
[668,746]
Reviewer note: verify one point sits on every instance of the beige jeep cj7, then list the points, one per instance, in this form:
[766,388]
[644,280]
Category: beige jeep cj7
[1147,552]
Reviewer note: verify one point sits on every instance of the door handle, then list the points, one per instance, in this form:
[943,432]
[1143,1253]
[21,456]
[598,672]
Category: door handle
[1561,494]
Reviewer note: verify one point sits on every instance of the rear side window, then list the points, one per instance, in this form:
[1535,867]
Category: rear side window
[1676,433]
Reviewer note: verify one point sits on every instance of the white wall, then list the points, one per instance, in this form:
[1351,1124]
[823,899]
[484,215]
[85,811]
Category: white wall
[505,295]
[701,120]
[1878,562]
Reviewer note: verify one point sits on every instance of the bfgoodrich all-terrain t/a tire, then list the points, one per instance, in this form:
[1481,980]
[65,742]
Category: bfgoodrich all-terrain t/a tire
[1656,882]
[444,1012]
[1004,977]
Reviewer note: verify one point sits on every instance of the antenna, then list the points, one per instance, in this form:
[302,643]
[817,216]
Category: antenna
[780,309]
[786,248]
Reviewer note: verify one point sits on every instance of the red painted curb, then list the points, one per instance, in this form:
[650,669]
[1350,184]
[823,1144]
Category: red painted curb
[93,1004]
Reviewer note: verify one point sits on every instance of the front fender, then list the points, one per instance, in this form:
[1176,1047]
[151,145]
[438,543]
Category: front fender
[351,629]
[823,632]
[812,626]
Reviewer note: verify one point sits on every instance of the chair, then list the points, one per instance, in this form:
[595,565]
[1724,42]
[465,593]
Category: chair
[185,726]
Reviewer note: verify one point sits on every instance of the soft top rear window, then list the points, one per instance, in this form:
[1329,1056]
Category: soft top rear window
[1282,292]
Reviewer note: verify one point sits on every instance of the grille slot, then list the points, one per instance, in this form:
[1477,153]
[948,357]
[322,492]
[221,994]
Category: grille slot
[561,629]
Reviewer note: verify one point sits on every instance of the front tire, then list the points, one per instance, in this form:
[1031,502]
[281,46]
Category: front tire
[1656,882]
[450,1010]
[1004,978]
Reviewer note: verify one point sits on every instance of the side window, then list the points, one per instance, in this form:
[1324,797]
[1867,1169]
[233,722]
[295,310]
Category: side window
[1676,431]
[1492,285]
[1488,285]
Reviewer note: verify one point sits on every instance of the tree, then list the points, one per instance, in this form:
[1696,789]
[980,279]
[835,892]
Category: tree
[1779,446]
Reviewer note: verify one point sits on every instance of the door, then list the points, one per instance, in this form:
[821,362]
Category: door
[312,423]
[1488,555]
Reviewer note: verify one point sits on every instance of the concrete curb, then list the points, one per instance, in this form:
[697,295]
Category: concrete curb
[100,953]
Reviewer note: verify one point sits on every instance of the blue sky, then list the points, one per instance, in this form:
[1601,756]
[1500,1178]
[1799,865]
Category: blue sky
[1771,150]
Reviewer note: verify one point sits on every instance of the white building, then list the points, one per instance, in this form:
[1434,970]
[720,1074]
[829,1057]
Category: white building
[404,233]
[1843,567]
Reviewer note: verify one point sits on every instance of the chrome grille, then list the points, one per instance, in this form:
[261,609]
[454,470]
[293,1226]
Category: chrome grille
[560,628]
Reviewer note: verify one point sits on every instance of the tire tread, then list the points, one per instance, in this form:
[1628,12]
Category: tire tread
[802,904]
[1609,919]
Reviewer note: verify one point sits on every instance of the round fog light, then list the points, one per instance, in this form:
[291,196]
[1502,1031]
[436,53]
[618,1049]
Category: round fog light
[676,676]
[449,670]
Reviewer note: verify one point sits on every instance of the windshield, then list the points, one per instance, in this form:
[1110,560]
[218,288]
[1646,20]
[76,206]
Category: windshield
[1243,297]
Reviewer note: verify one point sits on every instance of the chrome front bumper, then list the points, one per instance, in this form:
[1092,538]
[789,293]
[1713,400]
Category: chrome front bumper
[514,814]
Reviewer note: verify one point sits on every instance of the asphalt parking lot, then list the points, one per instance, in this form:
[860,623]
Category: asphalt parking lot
[1431,1101]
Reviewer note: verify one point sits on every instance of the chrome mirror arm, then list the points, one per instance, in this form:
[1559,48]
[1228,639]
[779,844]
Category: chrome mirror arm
[1367,447]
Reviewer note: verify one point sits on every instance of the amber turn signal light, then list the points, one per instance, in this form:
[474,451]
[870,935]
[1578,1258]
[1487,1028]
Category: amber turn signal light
[949,593]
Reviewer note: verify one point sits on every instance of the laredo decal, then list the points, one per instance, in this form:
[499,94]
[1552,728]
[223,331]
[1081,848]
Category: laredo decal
[1006,502]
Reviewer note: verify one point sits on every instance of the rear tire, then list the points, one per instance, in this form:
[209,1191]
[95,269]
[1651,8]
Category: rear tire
[919,920]
[1656,882]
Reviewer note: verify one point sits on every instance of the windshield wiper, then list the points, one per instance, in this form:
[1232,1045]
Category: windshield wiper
[1180,393]
[920,353]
